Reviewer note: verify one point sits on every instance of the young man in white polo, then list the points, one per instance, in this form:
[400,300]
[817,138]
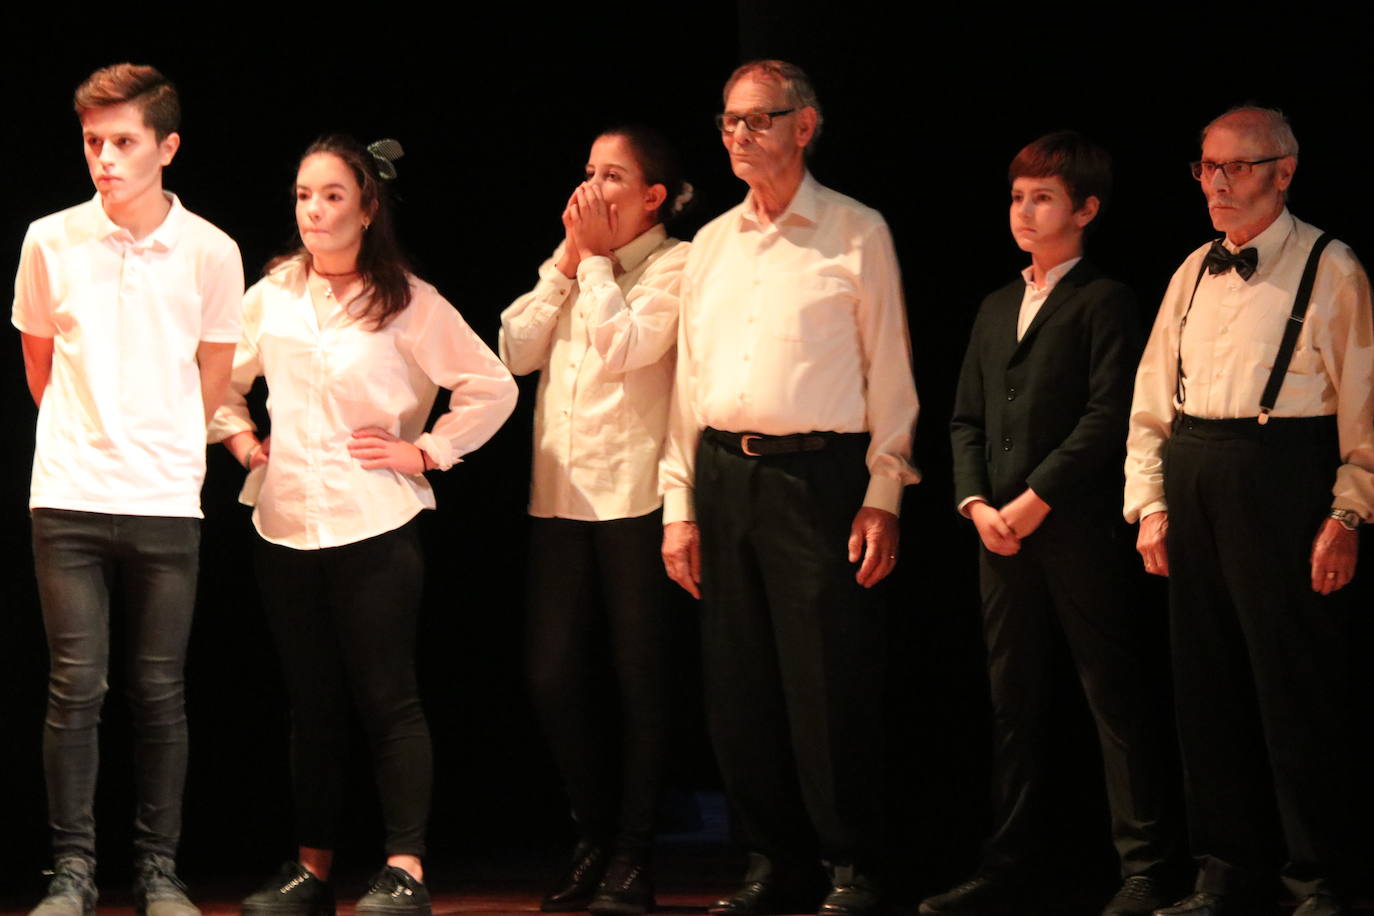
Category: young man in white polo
[128,306]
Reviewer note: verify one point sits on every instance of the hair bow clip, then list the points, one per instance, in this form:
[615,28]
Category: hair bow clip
[386,152]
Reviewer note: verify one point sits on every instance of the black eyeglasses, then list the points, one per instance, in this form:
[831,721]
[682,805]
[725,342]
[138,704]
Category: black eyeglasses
[1236,168]
[755,121]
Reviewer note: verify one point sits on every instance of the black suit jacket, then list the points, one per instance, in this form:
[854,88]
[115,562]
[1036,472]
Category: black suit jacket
[1049,411]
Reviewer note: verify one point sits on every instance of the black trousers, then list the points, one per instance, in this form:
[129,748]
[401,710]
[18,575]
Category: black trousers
[344,620]
[793,650]
[598,668]
[1259,658]
[1070,578]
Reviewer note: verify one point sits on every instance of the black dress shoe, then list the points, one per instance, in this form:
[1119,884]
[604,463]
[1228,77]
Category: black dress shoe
[982,894]
[294,891]
[626,890]
[758,897]
[579,881]
[1140,895]
[851,893]
[1322,905]
[1201,903]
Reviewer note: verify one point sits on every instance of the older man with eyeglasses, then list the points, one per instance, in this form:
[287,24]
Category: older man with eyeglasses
[1250,467]
[783,475]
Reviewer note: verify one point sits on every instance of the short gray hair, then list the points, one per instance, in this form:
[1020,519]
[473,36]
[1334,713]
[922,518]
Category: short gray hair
[1269,122]
[796,86]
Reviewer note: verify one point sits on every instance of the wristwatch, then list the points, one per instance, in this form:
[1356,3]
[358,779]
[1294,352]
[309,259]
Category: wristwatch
[1349,518]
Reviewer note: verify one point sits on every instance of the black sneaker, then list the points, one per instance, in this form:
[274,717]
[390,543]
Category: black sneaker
[71,892]
[626,890]
[293,892]
[158,891]
[394,893]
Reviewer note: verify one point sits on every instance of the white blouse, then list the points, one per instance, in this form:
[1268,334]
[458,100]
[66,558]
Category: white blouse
[325,382]
[604,347]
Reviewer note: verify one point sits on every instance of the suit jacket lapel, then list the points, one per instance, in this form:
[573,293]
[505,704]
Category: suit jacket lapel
[1067,287]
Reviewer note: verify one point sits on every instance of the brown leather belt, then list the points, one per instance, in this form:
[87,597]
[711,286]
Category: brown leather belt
[757,445]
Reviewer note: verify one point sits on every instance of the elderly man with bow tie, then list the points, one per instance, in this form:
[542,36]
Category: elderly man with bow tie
[1250,467]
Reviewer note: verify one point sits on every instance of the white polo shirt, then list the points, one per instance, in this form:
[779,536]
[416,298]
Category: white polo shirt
[121,429]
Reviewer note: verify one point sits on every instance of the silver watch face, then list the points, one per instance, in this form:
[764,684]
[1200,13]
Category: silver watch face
[1349,518]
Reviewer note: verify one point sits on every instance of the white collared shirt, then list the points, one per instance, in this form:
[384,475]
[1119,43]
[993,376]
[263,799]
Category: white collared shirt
[603,346]
[1035,296]
[1229,345]
[325,382]
[793,327]
[121,429]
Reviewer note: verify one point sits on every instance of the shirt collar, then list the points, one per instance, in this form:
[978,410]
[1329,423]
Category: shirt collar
[1052,276]
[632,254]
[1270,242]
[803,205]
[163,238]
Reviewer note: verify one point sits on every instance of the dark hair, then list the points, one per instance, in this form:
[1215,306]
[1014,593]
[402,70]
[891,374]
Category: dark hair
[384,268]
[137,84]
[1083,166]
[660,164]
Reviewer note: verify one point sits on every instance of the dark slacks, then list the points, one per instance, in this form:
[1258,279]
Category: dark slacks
[344,620]
[596,604]
[793,650]
[1069,578]
[79,558]
[1259,658]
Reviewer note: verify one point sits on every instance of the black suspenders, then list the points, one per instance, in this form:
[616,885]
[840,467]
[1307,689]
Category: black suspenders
[1291,329]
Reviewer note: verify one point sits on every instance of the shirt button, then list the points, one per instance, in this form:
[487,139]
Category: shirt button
[1006,443]
[1011,394]
[564,411]
[746,357]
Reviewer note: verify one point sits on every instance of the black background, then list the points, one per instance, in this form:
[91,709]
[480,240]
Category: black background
[496,110]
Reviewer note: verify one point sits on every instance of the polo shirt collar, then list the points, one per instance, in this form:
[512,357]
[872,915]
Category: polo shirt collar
[163,238]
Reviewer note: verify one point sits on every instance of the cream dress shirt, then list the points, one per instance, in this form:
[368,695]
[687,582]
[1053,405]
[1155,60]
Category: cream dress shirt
[121,429]
[325,382]
[603,346]
[794,327]
[1229,345]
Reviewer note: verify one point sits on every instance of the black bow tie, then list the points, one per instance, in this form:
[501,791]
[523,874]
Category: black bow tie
[1244,262]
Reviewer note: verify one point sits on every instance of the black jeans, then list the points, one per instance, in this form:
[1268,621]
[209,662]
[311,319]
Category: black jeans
[79,557]
[597,664]
[344,619]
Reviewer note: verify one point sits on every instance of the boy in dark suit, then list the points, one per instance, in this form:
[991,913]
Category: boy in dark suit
[1039,431]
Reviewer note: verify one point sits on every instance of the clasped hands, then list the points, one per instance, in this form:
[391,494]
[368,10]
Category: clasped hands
[589,225]
[1002,530]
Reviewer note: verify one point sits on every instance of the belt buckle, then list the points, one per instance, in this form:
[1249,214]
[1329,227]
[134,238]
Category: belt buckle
[744,445]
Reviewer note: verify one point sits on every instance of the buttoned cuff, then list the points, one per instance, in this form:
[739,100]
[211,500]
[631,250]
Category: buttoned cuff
[884,493]
[677,506]
[440,451]
[594,270]
[553,286]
